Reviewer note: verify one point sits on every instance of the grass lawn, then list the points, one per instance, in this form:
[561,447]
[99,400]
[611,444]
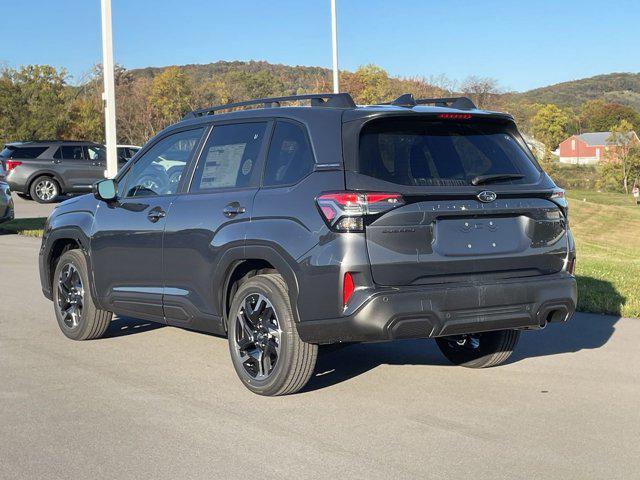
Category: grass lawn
[31,227]
[606,227]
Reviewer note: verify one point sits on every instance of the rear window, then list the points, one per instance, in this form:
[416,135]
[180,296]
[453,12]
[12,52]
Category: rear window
[441,153]
[22,152]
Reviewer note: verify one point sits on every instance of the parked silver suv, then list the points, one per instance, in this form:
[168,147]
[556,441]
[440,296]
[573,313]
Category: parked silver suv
[44,170]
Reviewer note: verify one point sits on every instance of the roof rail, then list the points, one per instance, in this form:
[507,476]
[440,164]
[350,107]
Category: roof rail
[407,100]
[335,100]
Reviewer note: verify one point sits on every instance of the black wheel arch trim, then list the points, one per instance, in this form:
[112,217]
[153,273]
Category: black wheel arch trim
[233,257]
[66,233]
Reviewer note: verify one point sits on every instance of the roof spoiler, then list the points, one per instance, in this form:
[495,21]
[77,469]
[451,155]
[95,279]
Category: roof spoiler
[460,103]
[331,100]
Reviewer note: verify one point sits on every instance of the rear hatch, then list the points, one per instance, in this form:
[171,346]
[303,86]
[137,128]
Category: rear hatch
[475,204]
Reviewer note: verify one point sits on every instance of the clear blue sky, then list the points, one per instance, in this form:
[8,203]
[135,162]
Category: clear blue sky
[524,44]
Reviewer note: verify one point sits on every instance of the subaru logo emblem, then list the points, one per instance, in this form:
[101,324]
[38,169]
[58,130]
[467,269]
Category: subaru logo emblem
[487,196]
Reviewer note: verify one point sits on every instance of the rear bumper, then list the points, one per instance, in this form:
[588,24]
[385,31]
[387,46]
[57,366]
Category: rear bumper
[453,309]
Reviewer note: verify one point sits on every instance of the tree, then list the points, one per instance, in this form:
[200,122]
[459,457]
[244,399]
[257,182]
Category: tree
[369,84]
[170,96]
[482,90]
[549,125]
[625,152]
[598,116]
[32,102]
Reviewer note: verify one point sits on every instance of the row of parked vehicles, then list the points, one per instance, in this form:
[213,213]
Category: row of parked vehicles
[45,170]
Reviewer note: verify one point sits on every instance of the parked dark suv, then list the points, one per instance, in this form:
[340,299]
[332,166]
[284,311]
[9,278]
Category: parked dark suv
[291,227]
[45,170]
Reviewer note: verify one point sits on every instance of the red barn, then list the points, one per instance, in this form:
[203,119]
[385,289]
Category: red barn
[589,148]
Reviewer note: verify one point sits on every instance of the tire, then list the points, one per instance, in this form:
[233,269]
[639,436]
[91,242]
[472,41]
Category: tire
[289,362]
[491,349]
[44,190]
[89,321]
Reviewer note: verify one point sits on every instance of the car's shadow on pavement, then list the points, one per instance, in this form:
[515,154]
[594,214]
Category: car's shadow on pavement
[121,326]
[337,364]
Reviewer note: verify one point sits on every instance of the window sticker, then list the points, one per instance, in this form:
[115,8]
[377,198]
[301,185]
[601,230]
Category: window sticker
[222,165]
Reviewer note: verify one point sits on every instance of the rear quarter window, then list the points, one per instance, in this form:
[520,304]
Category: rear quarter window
[23,152]
[439,153]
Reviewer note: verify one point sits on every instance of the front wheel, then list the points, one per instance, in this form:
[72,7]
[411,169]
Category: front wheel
[479,350]
[77,315]
[267,353]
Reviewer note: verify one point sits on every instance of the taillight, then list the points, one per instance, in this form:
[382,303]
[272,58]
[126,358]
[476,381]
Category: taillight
[558,197]
[11,164]
[571,266]
[347,288]
[345,211]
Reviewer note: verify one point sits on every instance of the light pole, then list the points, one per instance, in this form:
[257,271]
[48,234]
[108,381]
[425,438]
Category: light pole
[109,93]
[334,44]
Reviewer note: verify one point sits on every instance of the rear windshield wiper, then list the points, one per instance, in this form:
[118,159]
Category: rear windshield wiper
[480,179]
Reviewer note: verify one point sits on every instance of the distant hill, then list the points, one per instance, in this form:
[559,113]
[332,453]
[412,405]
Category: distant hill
[293,78]
[623,88]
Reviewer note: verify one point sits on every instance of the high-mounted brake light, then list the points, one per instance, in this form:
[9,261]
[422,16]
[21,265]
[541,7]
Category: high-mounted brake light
[344,211]
[11,164]
[455,116]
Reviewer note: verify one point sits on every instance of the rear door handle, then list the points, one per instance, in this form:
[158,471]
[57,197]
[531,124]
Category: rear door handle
[156,214]
[233,209]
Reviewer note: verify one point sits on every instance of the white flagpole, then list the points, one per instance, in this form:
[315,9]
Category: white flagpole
[334,42]
[109,94]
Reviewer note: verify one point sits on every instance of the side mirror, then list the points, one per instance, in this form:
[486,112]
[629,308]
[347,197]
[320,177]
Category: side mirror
[105,190]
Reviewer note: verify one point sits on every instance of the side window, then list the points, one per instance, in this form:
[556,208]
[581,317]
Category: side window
[290,157]
[159,170]
[72,152]
[229,156]
[28,152]
[95,153]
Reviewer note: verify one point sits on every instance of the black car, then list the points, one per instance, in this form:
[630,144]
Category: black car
[285,228]
[44,170]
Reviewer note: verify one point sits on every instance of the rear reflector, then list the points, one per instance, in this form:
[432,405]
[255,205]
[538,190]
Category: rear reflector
[344,211]
[11,164]
[347,288]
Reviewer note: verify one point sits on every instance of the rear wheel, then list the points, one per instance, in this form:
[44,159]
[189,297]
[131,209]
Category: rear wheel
[479,350]
[77,315]
[44,190]
[267,353]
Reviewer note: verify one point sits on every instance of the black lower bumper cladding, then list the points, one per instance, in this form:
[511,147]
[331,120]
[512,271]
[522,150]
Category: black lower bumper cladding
[451,309]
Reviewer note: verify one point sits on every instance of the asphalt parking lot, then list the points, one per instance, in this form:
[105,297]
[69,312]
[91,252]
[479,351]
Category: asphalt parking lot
[31,209]
[156,402]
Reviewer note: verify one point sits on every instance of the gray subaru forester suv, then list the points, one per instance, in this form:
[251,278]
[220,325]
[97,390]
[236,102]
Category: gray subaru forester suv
[288,227]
